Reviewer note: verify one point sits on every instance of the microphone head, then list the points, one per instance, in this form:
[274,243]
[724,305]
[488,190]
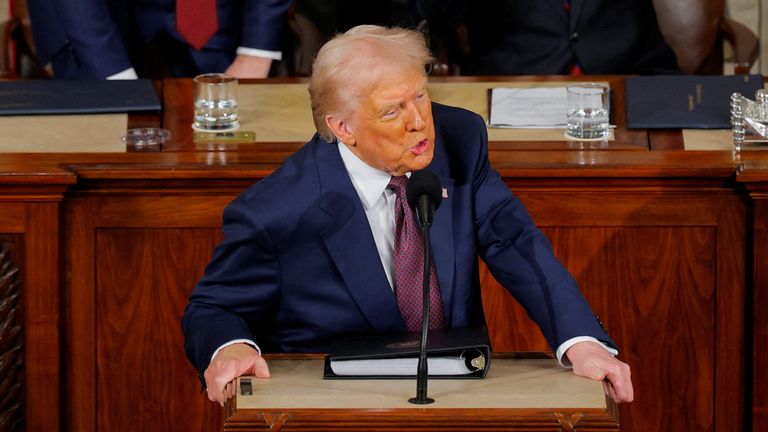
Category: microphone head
[424,182]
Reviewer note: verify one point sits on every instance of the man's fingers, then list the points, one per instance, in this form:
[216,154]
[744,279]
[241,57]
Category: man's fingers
[229,363]
[593,361]
[260,368]
[619,378]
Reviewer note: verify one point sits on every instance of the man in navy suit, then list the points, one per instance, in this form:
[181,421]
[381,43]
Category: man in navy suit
[96,39]
[549,37]
[307,254]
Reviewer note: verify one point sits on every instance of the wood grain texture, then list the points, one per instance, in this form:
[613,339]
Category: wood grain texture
[759,318]
[42,306]
[144,277]
[134,260]
[756,177]
[11,343]
[658,268]
[31,223]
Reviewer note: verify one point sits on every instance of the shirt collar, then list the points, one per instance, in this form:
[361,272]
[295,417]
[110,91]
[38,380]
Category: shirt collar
[369,182]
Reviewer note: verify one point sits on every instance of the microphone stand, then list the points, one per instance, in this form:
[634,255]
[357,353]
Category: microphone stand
[422,372]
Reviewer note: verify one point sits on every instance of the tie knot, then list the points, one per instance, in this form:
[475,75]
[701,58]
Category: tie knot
[397,184]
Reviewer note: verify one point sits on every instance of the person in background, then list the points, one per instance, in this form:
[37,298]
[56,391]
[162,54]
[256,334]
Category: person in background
[548,37]
[126,39]
[314,252]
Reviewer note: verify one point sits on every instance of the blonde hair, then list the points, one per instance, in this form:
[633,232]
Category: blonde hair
[346,61]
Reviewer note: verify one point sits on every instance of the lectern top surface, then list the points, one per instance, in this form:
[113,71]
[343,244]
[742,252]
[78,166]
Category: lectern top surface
[510,383]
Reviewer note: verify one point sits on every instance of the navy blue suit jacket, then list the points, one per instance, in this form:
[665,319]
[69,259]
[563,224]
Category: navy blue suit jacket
[94,39]
[539,37]
[298,265]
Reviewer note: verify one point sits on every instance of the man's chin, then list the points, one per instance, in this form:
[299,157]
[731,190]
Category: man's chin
[421,161]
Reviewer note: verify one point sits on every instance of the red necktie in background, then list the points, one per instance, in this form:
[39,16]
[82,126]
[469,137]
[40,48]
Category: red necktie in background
[409,265]
[196,21]
[574,69]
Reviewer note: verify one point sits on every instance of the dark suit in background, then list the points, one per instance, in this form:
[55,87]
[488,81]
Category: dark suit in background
[298,266]
[94,39]
[540,37]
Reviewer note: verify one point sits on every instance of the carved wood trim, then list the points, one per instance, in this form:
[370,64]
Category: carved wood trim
[11,370]
[568,422]
[275,420]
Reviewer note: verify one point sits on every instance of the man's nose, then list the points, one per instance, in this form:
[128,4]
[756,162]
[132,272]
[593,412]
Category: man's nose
[416,121]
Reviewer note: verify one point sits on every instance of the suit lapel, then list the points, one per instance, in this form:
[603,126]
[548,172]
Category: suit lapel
[351,244]
[441,235]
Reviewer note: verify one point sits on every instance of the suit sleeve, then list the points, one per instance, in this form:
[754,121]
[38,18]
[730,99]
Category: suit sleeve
[83,29]
[521,258]
[263,24]
[239,291]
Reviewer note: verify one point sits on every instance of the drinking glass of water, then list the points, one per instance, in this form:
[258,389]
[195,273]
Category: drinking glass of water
[588,109]
[215,102]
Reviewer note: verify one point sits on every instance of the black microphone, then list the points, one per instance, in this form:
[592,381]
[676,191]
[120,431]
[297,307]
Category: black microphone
[424,194]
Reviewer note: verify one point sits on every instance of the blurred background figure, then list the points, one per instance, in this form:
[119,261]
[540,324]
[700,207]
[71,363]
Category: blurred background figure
[548,37]
[124,39]
[17,51]
[313,22]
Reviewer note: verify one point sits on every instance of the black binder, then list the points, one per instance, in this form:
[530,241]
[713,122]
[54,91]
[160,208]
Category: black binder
[685,101]
[469,345]
[77,97]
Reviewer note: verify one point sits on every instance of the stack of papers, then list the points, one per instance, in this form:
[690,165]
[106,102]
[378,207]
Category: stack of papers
[538,107]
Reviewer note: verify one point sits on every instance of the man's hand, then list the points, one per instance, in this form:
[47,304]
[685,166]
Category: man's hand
[231,362]
[246,66]
[593,361]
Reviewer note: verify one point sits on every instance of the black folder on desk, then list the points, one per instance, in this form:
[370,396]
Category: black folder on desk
[77,97]
[685,101]
[462,348]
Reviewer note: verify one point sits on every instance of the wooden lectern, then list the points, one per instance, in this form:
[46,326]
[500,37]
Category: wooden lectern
[518,394]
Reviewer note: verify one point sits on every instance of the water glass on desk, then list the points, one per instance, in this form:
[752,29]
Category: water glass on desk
[588,109]
[216,107]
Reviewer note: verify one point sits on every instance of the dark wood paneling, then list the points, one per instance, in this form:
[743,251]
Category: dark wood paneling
[11,338]
[34,219]
[143,279]
[42,293]
[665,271]
[134,261]
[632,277]
[760,317]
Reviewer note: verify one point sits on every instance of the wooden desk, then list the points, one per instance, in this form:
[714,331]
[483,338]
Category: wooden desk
[110,245]
[754,174]
[517,394]
[278,111]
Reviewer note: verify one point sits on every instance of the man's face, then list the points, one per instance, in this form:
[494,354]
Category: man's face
[391,128]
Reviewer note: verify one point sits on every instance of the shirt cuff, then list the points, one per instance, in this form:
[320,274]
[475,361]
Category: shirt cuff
[236,341]
[127,74]
[253,52]
[564,362]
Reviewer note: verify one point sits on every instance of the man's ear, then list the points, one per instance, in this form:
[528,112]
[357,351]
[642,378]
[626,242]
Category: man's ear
[340,128]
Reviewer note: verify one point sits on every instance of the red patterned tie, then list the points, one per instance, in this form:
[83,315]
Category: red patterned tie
[409,265]
[196,21]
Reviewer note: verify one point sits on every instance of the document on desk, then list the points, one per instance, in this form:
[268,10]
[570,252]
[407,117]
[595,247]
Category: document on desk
[537,107]
[452,353]
[462,363]
[54,97]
